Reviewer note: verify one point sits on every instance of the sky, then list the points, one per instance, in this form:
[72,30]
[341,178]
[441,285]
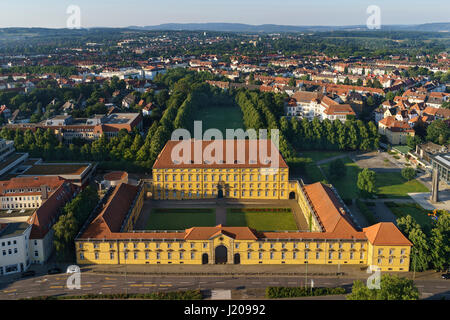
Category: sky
[122,13]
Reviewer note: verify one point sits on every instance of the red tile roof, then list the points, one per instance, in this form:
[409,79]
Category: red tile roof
[164,159]
[386,233]
[46,215]
[112,216]
[329,210]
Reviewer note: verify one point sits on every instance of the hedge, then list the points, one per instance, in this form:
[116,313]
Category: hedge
[175,295]
[292,292]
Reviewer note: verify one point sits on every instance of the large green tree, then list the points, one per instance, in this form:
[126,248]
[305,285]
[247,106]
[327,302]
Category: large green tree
[366,182]
[392,287]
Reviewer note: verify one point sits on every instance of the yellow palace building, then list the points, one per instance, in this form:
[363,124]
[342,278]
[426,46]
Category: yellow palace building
[332,238]
[242,177]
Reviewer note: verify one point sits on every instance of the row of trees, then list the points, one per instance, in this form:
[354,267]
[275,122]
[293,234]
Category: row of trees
[431,247]
[75,214]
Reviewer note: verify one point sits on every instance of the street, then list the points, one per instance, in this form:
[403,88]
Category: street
[107,284]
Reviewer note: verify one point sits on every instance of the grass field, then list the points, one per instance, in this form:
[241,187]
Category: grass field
[412,209]
[388,184]
[393,185]
[262,221]
[221,118]
[319,155]
[180,218]
[346,185]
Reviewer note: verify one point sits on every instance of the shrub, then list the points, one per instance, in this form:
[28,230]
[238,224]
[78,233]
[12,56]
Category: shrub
[291,292]
[175,295]
[408,173]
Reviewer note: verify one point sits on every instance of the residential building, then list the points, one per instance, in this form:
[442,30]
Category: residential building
[395,131]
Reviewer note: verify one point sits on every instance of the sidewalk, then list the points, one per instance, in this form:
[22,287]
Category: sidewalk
[342,271]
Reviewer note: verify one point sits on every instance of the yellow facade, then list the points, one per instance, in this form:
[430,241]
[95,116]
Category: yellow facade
[389,258]
[237,183]
[248,252]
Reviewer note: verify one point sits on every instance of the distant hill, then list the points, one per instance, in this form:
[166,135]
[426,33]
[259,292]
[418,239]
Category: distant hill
[274,28]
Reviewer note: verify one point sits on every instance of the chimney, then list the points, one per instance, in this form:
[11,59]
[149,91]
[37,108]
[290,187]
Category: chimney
[44,194]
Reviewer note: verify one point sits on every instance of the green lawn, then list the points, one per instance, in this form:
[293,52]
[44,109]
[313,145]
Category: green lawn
[346,185]
[412,209]
[180,219]
[393,185]
[319,155]
[388,184]
[313,174]
[221,118]
[262,221]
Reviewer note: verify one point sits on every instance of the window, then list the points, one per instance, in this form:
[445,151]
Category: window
[249,255]
[169,255]
[111,256]
[81,255]
[317,255]
[135,256]
[96,255]
[158,255]
[306,255]
[260,255]
[181,255]
[192,255]
[271,255]
[205,245]
[283,255]
[330,255]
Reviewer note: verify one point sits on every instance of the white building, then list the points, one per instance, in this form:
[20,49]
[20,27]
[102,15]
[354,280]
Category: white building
[310,105]
[14,251]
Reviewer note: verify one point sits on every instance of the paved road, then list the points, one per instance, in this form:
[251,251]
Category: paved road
[97,283]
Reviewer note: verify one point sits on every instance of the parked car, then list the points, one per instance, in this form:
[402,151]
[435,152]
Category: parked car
[54,270]
[29,273]
[446,276]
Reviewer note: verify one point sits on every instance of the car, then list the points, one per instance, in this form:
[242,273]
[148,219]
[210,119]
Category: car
[29,273]
[54,270]
[446,276]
